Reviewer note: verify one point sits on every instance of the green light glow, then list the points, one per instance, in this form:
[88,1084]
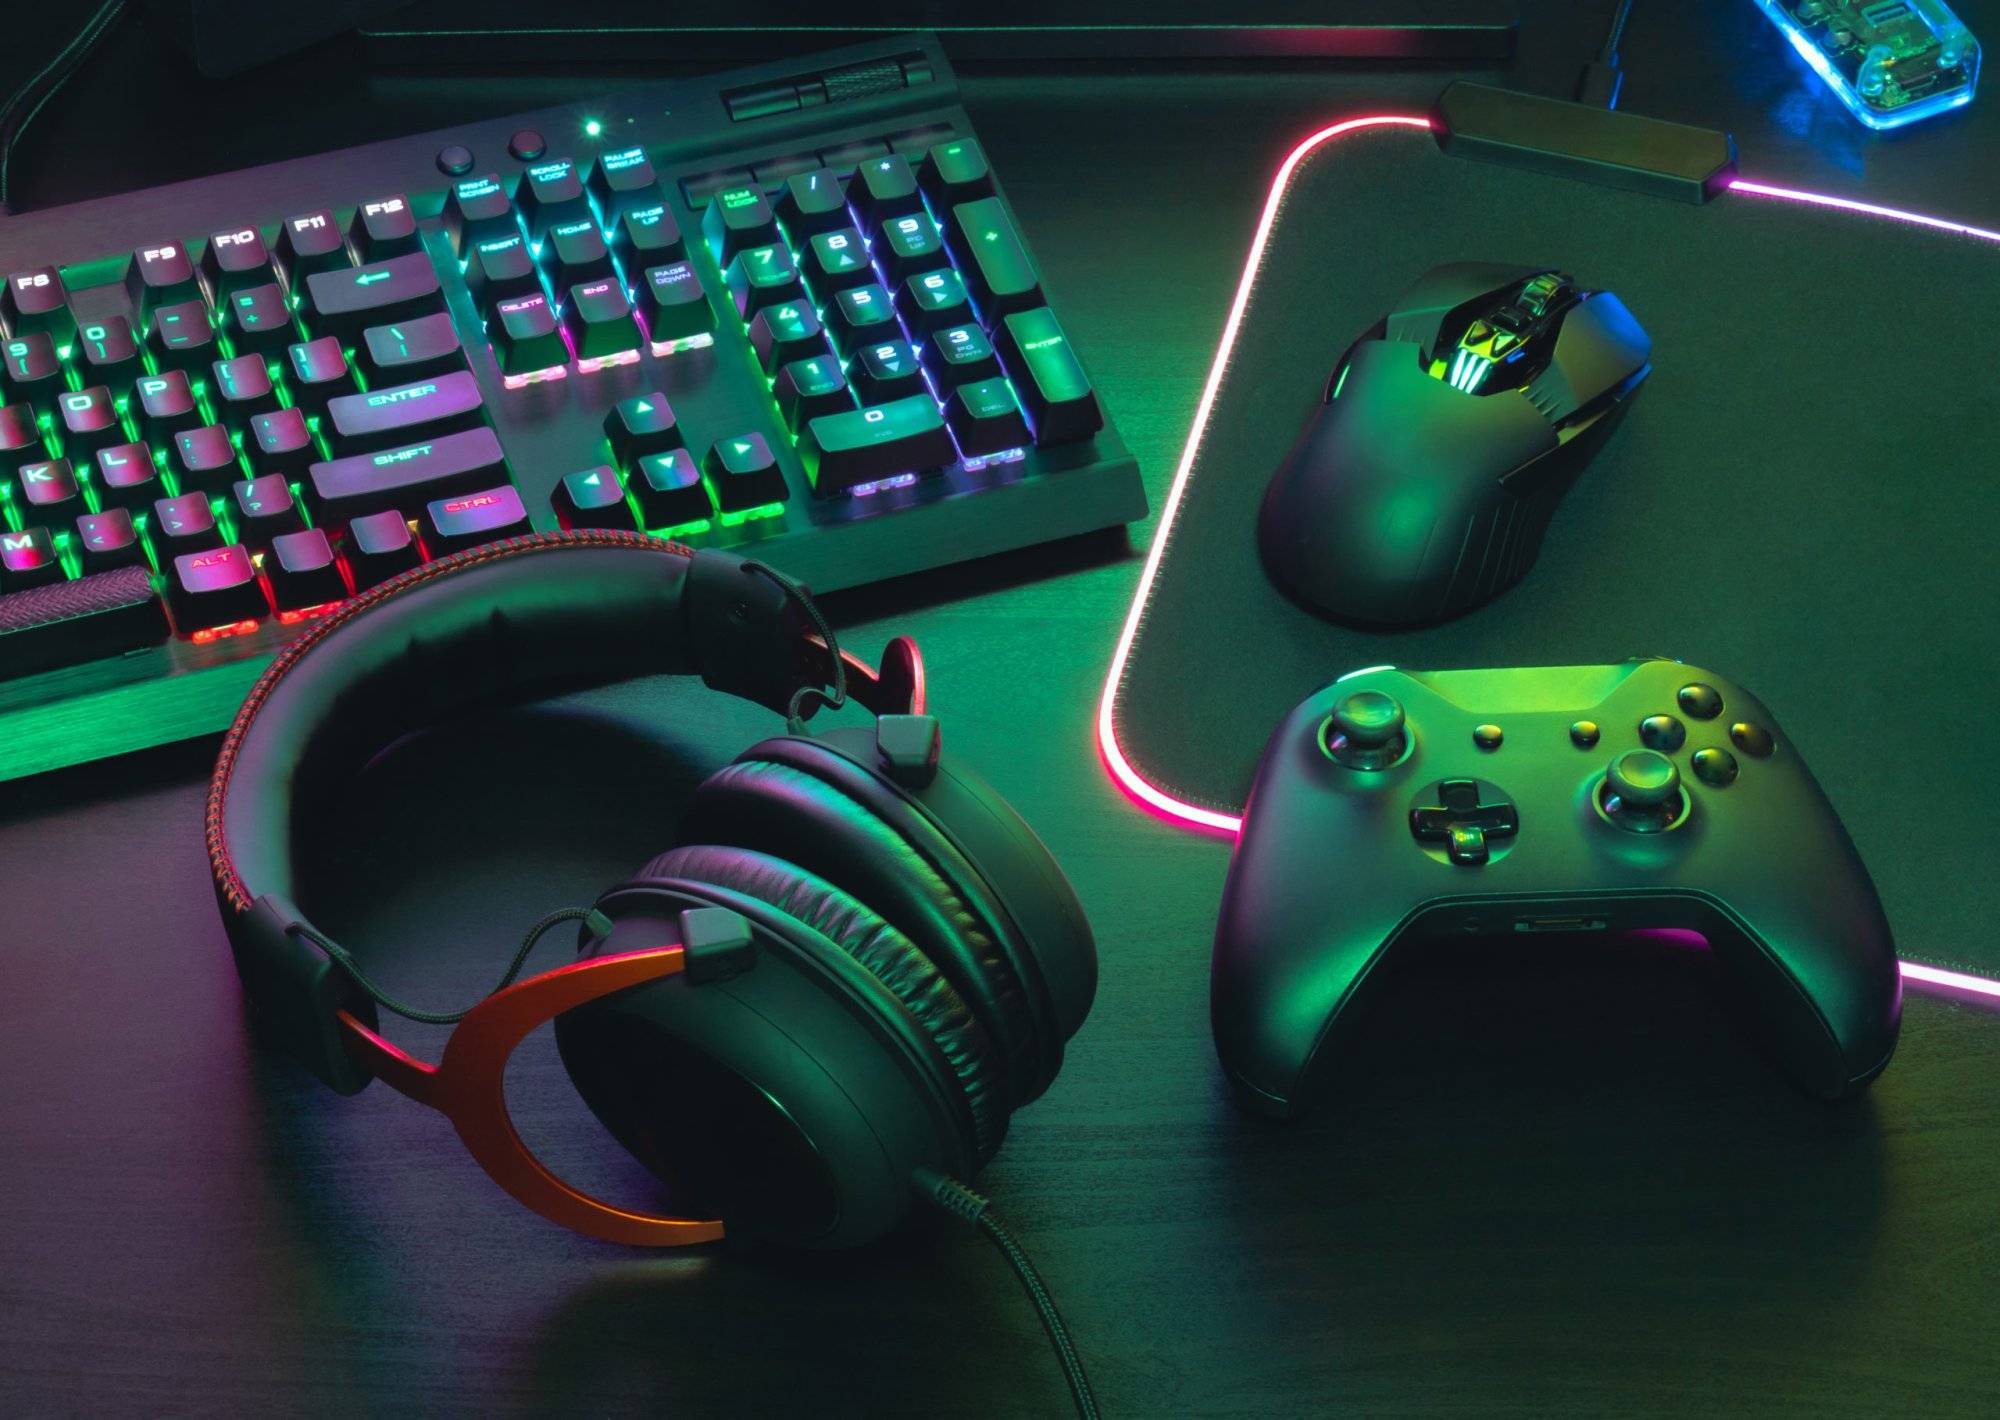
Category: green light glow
[699,525]
[592,127]
[769,510]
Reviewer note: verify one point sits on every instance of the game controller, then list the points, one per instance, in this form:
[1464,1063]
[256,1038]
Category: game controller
[1397,804]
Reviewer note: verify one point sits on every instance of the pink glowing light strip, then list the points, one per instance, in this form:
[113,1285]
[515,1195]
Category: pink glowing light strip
[1182,813]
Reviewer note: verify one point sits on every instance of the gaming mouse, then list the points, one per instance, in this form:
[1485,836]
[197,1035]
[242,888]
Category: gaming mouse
[1448,433]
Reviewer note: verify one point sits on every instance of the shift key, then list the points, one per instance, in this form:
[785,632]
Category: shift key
[404,477]
[421,409]
[1049,378]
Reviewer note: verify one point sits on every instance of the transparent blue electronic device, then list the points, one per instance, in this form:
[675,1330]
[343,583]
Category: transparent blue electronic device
[1891,62]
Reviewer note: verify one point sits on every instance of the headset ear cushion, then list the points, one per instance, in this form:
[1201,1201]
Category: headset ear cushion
[856,929]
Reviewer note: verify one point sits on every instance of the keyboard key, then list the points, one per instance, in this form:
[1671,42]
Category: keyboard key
[258,318]
[593,498]
[760,277]
[736,218]
[410,350]
[993,260]
[848,156]
[159,276]
[394,415]
[861,316]
[50,496]
[89,422]
[303,571]
[384,228]
[341,490]
[813,202]
[110,352]
[575,251]
[861,446]
[887,371]
[956,172]
[128,478]
[379,546]
[108,539]
[478,210]
[60,625]
[670,490]
[623,181]
[180,336]
[265,508]
[959,355]
[281,442]
[647,236]
[166,406]
[215,591]
[598,317]
[20,438]
[806,389]
[205,458]
[836,261]
[501,268]
[909,245]
[986,418]
[37,301]
[30,373]
[913,143]
[743,474]
[933,300]
[1048,377]
[643,424]
[309,244]
[700,191]
[243,389]
[181,524]
[673,304]
[468,519]
[772,172]
[526,339]
[885,188]
[782,334]
[381,293]
[319,373]
[551,195]
[28,559]
[236,259]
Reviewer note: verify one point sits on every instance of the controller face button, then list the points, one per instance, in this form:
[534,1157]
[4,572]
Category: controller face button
[1700,702]
[1583,734]
[1663,733]
[1366,731]
[1467,845]
[1753,740]
[1716,767]
[1487,736]
[1641,793]
[1466,818]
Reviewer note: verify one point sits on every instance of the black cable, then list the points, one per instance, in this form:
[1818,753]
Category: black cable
[953,1197]
[49,79]
[1602,78]
[795,719]
[599,925]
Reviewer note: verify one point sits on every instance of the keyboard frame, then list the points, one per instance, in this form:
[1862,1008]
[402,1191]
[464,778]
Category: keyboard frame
[178,690]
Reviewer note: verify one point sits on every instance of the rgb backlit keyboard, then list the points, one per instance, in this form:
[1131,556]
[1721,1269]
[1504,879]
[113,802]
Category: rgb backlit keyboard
[786,310]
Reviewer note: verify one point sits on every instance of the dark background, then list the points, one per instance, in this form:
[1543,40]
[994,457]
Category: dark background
[1555,1180]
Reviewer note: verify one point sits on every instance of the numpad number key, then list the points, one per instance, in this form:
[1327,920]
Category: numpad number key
[788,310]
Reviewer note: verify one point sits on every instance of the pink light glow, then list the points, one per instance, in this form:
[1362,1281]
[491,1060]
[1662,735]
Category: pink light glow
[535,377]
[1183,814]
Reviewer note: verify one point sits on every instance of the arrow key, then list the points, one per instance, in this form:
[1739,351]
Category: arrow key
[743,473]
[641,425]
[593,498]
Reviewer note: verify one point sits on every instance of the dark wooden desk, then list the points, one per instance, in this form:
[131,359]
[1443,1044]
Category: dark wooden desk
[1550,1186]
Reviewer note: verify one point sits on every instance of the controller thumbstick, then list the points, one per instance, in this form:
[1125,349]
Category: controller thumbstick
[1366,730]
[1643,779]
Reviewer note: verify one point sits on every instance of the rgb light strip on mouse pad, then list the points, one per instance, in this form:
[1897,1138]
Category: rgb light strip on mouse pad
[1799,499]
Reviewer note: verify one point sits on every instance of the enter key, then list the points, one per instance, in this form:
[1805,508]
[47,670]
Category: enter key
[1054,390]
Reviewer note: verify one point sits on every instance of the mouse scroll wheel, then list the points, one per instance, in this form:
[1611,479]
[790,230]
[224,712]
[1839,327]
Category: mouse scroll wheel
[1536,294]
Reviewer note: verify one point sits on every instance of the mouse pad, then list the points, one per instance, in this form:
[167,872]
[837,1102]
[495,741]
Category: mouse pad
[1800,499]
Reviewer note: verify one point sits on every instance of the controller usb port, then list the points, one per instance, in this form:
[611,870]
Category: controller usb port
[1560,924]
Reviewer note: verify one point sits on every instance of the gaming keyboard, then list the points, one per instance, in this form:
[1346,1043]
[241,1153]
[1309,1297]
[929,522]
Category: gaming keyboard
[785,310]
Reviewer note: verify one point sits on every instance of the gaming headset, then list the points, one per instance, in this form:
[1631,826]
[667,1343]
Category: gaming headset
[853,966]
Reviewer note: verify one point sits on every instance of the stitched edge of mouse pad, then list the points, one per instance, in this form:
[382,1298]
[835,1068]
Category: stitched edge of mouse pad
[1877,397]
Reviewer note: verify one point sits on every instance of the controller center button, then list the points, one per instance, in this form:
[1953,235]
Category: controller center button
[1752,739]
[1487,736]
[1366,731]
[1714,766]
[1700,702]
[1641,793]
[1583,734]
[1465,817]
[1663,733]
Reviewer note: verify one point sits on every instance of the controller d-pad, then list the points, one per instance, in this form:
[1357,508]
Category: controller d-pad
[1464,817]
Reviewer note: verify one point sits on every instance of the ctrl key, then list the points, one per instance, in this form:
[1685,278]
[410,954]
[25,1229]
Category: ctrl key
[214,592]
[453,524]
